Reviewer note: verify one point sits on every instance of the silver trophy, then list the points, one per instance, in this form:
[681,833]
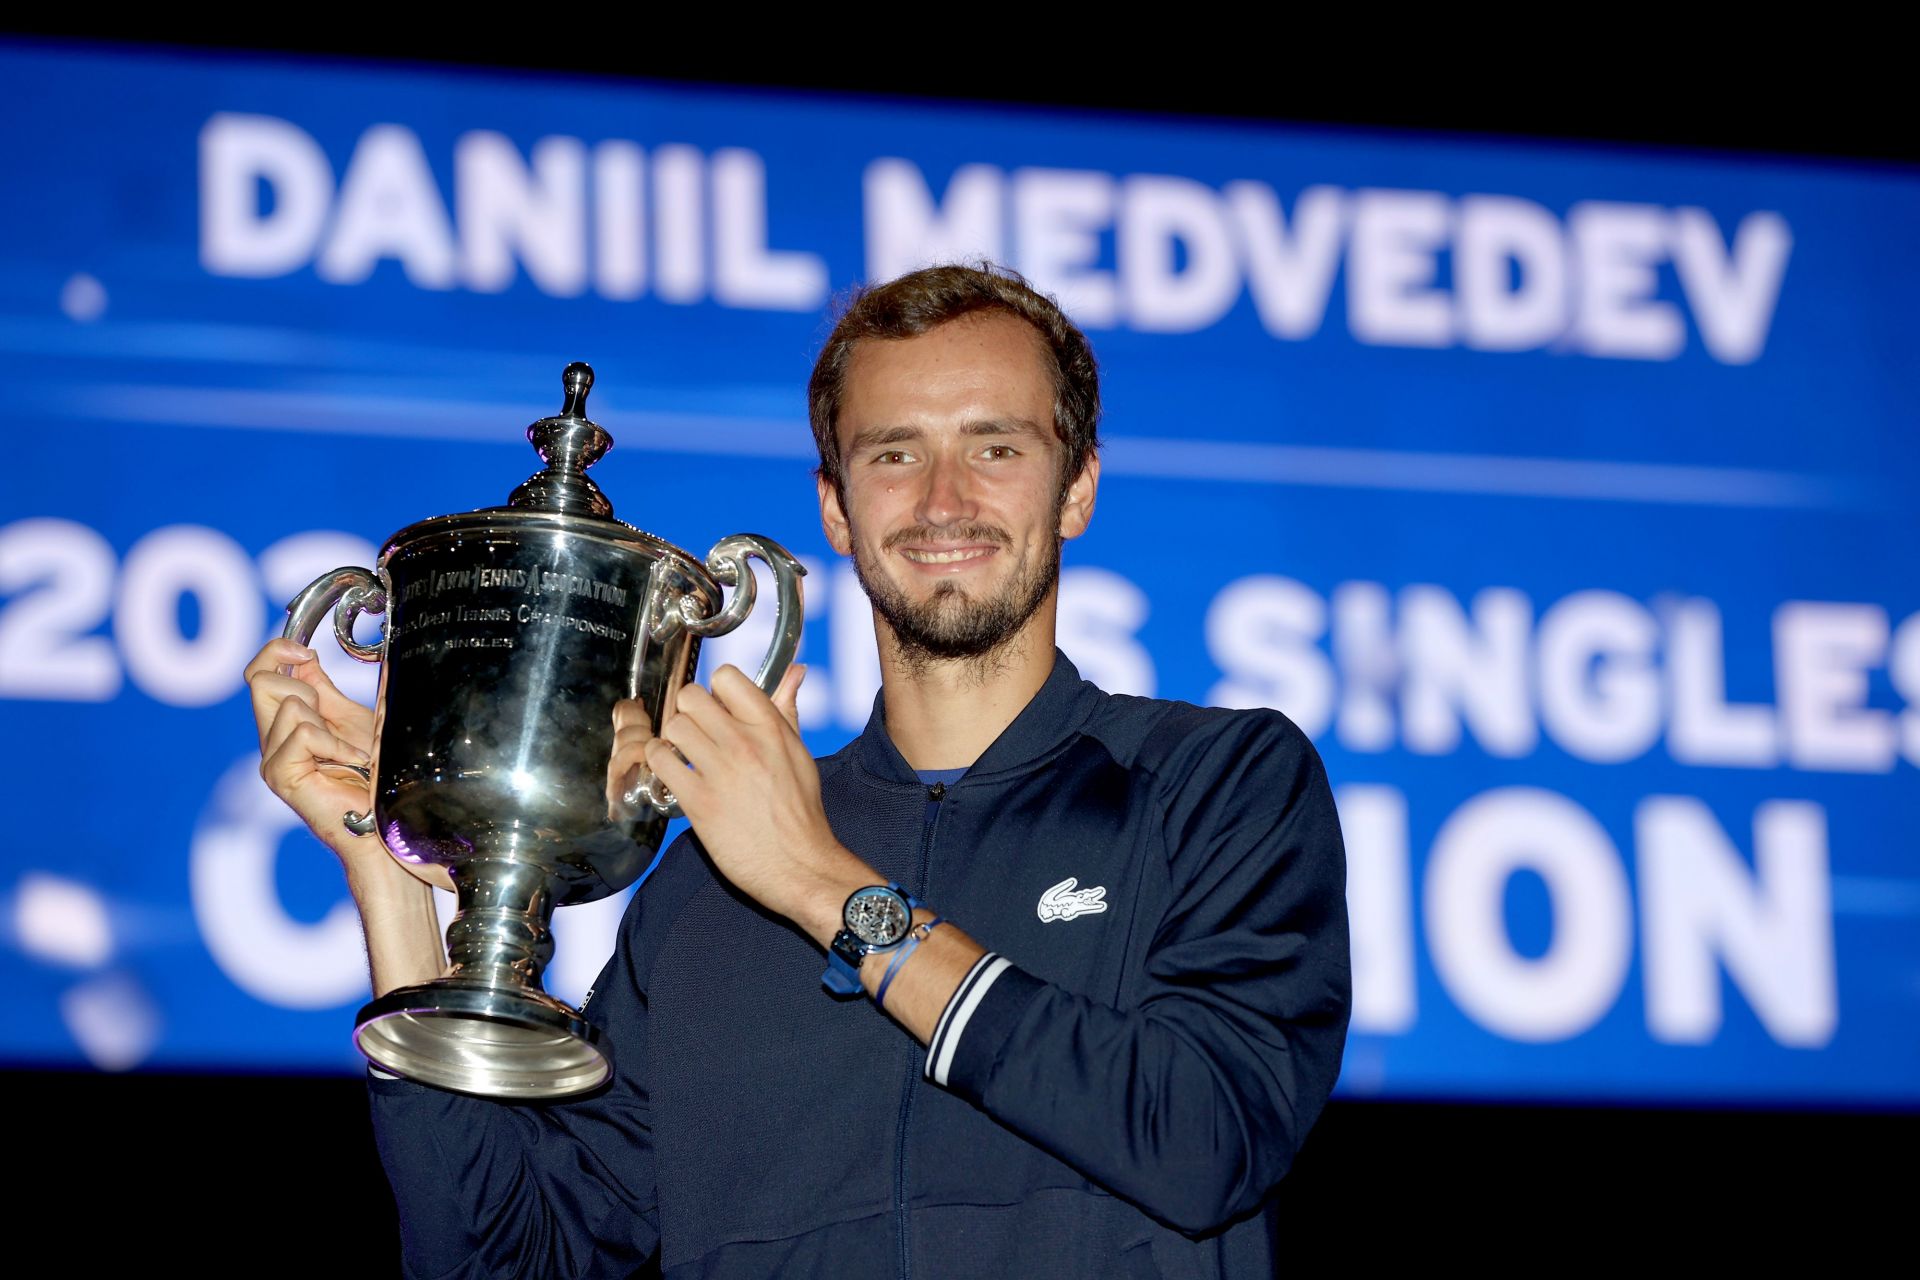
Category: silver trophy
[510,632]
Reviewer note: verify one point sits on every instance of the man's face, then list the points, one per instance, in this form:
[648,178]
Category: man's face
[953,511]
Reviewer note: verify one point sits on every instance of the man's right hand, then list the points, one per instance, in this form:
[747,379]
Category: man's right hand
[305,722]
[307,729]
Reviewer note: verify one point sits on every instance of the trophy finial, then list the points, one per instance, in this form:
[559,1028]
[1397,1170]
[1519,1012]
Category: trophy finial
[569,443]
[578,380]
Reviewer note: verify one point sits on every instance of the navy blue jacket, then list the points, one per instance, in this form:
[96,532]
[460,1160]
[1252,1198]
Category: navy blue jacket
[1120,1102]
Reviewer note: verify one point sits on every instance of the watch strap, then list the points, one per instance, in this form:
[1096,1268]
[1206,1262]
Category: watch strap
[843,964]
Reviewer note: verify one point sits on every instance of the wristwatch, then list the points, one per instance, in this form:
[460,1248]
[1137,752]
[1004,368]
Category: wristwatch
[876,918]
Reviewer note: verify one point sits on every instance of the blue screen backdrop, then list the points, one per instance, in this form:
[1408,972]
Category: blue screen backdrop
[1564,494]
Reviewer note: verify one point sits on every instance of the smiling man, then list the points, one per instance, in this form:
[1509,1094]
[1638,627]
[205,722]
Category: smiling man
[1085,957]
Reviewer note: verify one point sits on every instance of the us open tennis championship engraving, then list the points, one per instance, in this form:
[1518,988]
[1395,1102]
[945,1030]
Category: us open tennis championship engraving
[510,632]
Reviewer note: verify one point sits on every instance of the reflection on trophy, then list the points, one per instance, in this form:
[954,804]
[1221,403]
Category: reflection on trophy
[510,633]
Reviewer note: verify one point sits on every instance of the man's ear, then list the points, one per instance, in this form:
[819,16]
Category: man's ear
[833,517]
[1076,513]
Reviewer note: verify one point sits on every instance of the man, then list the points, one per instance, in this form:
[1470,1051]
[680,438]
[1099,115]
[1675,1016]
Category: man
[1097,1062]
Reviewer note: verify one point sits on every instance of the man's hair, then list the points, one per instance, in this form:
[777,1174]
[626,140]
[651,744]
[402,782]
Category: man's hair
[923,300]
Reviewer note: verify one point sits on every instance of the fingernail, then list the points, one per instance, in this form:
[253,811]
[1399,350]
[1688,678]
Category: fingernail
[302,650]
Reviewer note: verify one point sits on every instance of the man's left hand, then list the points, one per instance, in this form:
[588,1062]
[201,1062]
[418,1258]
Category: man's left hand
[750,788]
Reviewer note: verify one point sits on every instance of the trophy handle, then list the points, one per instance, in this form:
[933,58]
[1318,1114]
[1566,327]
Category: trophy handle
[349,592]
[727,562]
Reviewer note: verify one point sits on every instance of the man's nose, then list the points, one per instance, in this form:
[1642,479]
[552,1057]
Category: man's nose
[949,496]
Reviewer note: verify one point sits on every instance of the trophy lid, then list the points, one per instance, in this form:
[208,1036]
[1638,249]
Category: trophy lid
[569,443]
[559,495]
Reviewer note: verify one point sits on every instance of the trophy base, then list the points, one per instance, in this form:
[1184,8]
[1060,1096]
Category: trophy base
[493,1041]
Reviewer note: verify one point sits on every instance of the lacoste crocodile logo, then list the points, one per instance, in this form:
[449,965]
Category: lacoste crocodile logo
[1064,902]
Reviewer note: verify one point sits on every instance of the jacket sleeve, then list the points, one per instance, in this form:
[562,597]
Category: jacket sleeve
[1193,1103]
[540,1190]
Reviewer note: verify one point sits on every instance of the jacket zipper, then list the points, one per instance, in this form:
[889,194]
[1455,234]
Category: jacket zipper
[935,794]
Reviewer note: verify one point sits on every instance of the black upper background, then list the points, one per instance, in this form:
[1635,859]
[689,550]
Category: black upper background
[1595,76]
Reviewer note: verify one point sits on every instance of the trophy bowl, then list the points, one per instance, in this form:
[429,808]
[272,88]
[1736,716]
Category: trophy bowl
[510,633]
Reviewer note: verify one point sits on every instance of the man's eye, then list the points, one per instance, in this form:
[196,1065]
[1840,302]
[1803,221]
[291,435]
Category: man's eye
[894,456]
[999,451]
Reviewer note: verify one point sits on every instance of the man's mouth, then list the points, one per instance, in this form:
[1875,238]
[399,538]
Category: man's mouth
[946,555]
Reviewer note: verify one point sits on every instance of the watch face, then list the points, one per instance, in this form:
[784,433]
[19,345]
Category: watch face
[878,916]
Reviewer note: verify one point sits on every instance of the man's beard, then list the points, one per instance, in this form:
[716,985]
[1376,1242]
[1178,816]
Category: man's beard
[949,625]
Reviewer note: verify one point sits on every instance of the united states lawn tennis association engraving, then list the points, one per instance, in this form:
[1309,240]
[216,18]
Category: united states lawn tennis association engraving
[546,610]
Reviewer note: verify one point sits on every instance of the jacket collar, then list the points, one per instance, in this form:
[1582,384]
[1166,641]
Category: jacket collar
[1063,704]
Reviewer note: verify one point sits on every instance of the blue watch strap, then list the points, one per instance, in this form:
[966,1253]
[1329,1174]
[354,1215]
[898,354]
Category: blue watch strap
[841,978]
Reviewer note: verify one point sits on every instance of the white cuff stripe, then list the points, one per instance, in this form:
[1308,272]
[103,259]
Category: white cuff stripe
[378,1074]
[950,1042]
[953,1002]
